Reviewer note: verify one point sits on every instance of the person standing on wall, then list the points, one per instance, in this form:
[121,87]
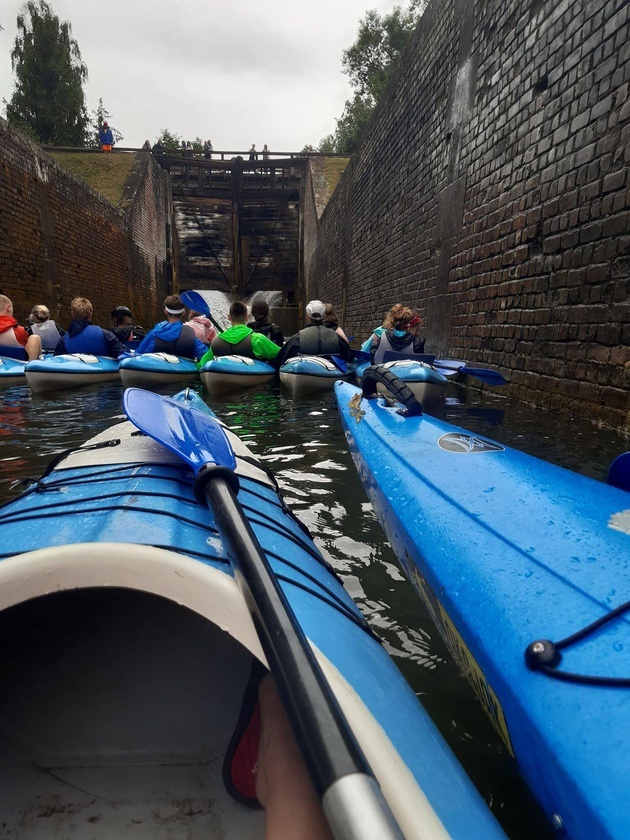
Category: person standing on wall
[253,154]
[106,137]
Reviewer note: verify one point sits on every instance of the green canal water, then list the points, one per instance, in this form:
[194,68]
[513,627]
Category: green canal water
[303,444]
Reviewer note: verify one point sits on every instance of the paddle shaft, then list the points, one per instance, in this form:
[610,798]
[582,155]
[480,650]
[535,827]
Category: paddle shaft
[327,744]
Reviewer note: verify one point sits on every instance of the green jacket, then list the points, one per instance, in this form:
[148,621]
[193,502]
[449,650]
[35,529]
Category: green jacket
[262,347]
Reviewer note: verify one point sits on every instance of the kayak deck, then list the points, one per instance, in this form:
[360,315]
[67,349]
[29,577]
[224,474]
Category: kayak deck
[506,549]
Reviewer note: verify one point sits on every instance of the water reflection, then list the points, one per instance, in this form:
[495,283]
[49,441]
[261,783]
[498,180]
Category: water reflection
[303,444]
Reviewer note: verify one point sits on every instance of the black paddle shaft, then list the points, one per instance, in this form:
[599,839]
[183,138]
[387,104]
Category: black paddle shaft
[325,740]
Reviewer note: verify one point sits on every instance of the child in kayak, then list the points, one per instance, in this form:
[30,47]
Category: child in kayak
[85,337]
[241,340]
[15,336]
[399,333]
[262,324]
[316,339]
[171,336]
[202,325]
[43,326]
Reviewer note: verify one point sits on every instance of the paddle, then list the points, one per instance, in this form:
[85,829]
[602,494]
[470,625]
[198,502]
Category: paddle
[193,300]
[487,375]
[351,798]
[619,472]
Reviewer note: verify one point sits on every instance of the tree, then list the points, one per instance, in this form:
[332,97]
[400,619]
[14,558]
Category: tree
[48,99]
[170,141]
[369,63]
[97,118]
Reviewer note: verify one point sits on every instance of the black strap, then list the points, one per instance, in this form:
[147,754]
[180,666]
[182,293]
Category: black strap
[544,655]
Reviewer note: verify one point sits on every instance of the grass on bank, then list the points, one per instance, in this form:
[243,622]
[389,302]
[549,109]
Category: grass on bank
[105,173]
[334,168]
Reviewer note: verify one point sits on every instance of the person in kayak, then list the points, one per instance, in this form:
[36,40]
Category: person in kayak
[316,339]
[400,334]
[202,325]
[123,327]
[172,336]
[241,340]
[13,335]
[85,337]
[262,324]
[43,326]
[332,321]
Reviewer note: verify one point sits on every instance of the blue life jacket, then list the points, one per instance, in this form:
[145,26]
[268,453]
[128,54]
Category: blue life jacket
[90,340]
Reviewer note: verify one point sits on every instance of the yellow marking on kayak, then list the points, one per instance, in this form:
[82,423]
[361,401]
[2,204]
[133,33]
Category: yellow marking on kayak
[355,407]
[462,655]
[620,521]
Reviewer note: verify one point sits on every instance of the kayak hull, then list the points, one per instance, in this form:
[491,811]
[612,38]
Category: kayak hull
[505,549]
[302,375]
[11,371]
[225,373]
[129,620]
[74,370]
[152,370]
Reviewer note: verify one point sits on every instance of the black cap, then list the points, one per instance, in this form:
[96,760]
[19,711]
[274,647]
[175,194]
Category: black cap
[121,310]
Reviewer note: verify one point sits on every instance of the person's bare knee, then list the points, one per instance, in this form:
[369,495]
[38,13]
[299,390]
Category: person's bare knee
[33,347]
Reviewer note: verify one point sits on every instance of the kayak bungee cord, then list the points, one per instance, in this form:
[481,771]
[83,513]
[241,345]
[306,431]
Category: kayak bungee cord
[544,655]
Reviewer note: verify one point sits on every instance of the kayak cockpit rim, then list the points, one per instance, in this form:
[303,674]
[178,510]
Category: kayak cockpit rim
[215,596]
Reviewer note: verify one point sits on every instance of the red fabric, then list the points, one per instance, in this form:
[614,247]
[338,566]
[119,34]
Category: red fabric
[245,760]
[6,322]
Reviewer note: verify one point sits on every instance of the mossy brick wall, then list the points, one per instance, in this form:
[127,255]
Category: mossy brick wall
[60,239]
[492,192]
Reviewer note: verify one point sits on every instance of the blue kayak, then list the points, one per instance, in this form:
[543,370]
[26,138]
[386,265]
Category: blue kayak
[127,649]
[224,373]
[313,374]
[425,382]
[53,373]
[151,370]
[11,371]
[507,550]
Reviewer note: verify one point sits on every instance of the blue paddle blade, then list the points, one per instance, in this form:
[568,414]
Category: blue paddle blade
[193,300]
[490,377]
[450,364]
[619,472]
[196,437]
[339,363]
[361,356]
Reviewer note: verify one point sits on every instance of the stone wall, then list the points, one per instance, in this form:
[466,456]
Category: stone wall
[60,239]
[492,192]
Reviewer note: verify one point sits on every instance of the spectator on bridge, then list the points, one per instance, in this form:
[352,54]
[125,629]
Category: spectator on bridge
[42,325]
[207,149]
[265,152]
[123,327]
[316,339]
[241,340]
[171,336]
[202,325]
[160,155]
[400,334]
[332,321]
[253,154]
[15,336]
[261,323]
[106,137]
[85,337]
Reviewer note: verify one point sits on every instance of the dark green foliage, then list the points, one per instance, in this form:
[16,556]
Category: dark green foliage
[48,101]
[368,63]
[170,141]
[97,118]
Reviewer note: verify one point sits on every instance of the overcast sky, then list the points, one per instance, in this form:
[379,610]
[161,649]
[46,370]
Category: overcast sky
[237,72]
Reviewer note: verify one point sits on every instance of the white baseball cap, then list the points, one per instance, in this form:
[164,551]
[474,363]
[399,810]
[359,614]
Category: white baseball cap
[316,309]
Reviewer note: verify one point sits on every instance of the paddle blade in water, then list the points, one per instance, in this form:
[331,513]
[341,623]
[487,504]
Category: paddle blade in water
[490,377]
[193,300]
[193,435]
[619,472]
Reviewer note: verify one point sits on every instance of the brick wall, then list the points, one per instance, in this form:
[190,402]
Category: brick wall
[492,192]
[60,239]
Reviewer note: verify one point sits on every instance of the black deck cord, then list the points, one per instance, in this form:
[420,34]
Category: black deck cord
[544,655]
[401,391]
